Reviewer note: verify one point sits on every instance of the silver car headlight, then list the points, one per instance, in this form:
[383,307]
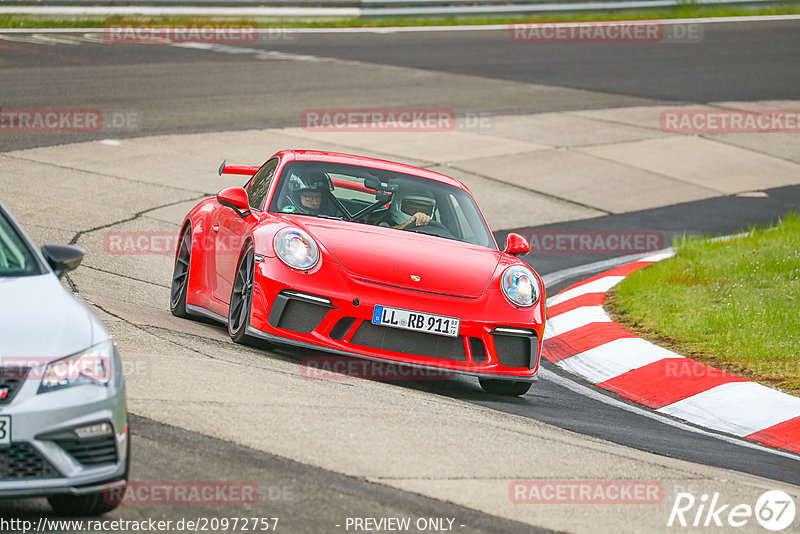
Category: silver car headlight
[296,248]
[92,366]
[520,285]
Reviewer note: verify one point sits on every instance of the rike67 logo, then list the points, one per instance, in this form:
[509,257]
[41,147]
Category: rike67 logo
[774,510]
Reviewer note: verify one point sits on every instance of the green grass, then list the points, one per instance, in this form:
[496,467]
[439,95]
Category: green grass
[683,11]
[733,305]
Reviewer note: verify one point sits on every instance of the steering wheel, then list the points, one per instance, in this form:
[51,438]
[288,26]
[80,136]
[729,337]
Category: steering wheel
[432,228]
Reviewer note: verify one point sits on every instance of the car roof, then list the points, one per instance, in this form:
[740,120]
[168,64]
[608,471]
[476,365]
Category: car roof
[350,159]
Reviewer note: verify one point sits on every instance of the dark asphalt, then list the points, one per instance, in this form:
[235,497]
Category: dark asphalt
[176,89]
[304,499]
[729,62]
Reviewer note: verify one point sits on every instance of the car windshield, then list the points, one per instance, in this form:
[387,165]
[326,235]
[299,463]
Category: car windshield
[15,258]
[382,198]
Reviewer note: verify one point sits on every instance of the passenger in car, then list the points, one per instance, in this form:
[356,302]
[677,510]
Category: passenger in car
[409,209]
[312,195]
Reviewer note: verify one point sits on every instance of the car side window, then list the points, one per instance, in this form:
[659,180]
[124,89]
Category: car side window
[15,258]
[259,185]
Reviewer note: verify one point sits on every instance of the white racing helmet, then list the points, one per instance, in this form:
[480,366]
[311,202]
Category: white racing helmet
[420,197]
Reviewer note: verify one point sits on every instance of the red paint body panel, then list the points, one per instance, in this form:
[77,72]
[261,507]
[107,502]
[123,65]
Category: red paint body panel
[246,170]
[338,182]
[370,265]
[398,255]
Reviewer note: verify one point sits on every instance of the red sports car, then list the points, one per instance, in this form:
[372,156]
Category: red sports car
[367,258]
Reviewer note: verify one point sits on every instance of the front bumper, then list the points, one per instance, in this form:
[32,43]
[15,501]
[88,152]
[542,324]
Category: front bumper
[328,310]
[41,462]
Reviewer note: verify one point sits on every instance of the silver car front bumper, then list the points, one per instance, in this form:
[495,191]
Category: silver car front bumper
[48,468]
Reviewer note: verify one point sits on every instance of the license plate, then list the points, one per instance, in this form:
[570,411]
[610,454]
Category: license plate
[416,321]
[5,430]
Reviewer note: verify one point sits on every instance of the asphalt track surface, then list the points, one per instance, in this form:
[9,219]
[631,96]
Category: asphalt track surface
[302,498]
[190,90]
[223,87]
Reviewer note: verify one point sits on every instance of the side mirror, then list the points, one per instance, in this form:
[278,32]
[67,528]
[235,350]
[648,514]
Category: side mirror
[235,198]
[516,245]
[62,258]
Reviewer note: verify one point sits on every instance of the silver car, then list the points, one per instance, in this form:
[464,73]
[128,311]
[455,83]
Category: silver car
[63,419]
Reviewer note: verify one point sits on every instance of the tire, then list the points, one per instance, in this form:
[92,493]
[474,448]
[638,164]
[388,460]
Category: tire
[80,505]
[504,387]
[180,275]
[242,297]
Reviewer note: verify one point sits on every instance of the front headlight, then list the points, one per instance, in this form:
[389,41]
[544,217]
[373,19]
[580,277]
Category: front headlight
[296,248]
[520,285]
[92,366]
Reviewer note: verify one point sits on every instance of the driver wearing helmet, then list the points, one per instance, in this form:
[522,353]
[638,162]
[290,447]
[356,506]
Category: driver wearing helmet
[413,207]
[312,195]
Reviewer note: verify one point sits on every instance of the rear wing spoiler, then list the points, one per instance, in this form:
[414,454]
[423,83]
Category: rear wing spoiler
[247,170]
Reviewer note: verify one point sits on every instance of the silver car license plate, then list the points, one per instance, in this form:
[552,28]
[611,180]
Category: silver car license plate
[5,430]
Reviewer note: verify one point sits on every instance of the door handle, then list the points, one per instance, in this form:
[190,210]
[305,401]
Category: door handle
[215,228]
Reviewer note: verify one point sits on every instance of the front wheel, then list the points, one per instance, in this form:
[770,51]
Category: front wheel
[180,275]
[242,297]
[504,387]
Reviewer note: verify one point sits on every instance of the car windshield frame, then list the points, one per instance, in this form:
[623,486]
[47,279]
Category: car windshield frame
[364,195]
[16,246]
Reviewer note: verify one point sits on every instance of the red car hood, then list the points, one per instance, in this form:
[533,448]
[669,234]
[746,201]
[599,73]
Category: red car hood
[396,257]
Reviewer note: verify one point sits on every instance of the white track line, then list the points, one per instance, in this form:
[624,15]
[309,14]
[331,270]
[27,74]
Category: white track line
[399,29]
[596,267]
[568,321]
[601,285]
[155,11]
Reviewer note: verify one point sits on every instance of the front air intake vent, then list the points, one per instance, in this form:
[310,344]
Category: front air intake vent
[91,452]
[409,342]
[21,461]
